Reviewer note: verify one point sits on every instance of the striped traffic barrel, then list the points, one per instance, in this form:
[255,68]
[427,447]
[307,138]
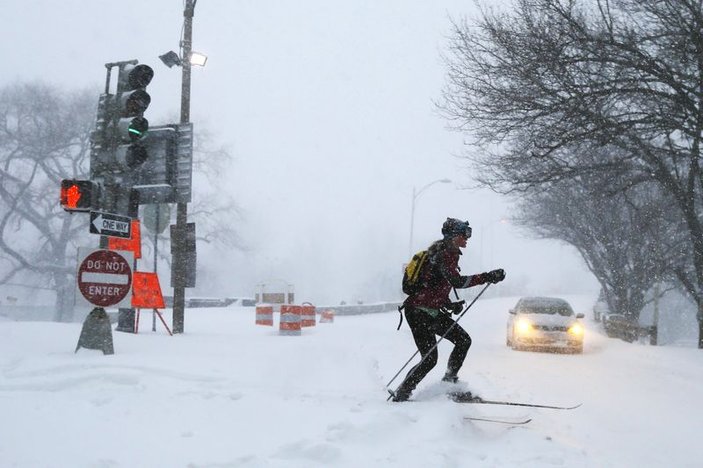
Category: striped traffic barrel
[327,316]
[289,323]
[264,315]
[307,315]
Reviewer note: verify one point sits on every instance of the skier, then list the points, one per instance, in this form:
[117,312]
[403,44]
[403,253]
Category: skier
[426,310]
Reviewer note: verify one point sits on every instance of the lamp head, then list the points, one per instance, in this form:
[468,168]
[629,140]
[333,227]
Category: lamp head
[170,59]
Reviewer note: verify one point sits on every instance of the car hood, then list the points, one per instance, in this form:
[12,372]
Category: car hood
[549,319]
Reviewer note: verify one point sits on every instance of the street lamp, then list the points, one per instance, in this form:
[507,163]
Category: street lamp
[416,194]
[171,59]
[196,58]
[482,229]
[185,60]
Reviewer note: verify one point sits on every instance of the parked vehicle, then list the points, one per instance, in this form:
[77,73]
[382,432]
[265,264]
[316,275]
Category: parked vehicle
[600,310]
[546,323]
[620,326]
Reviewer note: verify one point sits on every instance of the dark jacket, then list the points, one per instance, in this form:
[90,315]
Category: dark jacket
[440,275]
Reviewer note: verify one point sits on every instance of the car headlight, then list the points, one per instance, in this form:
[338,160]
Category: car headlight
[523,326]
[576,329]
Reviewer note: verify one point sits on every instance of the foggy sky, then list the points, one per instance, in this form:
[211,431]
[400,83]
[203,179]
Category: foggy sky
[327,108]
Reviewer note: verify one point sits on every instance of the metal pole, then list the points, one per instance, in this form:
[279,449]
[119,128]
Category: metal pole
[654,331]
[156,250]
[156,238]
[416,194]
[182,208]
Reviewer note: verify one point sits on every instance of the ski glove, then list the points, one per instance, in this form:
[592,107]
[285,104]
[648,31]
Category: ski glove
[455,307]
[494,276]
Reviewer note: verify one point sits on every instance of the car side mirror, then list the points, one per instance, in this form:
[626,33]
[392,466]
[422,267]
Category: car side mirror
[579,316]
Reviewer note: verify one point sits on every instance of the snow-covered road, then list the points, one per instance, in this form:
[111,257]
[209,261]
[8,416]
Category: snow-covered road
[228,393]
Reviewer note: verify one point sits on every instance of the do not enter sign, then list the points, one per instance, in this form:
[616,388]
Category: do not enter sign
[105,277]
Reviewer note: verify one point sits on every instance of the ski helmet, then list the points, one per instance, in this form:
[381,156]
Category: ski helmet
[454,227]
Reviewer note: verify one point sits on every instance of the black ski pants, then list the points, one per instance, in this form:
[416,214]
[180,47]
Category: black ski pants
[424,328]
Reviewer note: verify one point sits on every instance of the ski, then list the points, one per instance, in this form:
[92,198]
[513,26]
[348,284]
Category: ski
[516,422]
[467,397]
[514,403]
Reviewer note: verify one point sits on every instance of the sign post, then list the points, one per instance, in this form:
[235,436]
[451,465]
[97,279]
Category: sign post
[147,294]
[105,277]
[107,224]
[133,244]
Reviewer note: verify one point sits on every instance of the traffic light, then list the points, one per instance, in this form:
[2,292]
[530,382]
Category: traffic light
[78,195]
[129,124]
[117,146]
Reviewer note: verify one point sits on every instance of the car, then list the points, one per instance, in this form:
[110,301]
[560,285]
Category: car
[620,326]
[547,323]
[600,310]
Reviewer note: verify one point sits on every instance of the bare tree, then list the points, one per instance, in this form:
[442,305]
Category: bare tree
[213,209]
[623,238]
[620,78]
[43,138]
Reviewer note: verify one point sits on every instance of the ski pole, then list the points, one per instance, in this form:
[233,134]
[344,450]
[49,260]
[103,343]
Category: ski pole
[438,341]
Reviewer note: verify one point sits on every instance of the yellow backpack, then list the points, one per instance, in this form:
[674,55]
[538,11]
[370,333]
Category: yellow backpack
[411,276]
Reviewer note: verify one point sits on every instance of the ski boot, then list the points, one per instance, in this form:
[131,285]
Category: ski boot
[452,379]
[399,395]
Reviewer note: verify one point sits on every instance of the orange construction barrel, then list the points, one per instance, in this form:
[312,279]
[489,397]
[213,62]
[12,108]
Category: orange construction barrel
[264,315]
[307,315]
[289,324]
[327,316]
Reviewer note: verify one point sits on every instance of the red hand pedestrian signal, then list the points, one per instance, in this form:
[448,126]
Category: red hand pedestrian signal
[77,195]
[73,194]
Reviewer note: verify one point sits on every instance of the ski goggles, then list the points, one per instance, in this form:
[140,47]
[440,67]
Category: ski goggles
[462,229]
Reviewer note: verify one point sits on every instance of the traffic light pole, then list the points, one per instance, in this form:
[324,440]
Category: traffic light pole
[182,207]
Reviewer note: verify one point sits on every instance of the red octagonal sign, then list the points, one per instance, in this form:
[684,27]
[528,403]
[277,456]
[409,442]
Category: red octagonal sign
[104,278]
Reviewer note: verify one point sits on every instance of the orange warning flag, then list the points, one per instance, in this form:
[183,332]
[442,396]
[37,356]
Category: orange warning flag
[146,291]
[133,245]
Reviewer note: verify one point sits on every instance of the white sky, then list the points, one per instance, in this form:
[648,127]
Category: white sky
[328,110]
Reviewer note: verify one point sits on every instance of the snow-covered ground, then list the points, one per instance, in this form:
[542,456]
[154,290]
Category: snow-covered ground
[228,393]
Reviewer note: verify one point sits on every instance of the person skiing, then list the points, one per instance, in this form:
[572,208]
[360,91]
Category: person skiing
[428,308]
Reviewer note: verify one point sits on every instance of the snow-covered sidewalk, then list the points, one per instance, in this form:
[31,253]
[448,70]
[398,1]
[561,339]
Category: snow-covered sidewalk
[229,393]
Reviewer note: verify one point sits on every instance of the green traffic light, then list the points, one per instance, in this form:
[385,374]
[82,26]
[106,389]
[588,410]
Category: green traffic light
[133,129]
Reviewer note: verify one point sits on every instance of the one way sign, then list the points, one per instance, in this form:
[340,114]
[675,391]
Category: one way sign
[107,224]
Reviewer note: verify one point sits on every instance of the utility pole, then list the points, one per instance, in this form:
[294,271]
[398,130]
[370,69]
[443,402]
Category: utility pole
[416,194]
[412,225]
[182,207]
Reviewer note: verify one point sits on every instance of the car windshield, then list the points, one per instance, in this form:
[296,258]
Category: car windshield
[552,310]
[545,306]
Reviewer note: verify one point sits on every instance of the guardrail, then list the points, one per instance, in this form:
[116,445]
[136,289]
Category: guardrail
[44,313]
[362,309]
